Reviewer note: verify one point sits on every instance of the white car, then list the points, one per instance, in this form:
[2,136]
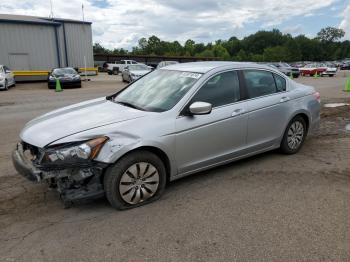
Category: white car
[166,63]
[116,67]
[134,72]
[330,71]
[7,78]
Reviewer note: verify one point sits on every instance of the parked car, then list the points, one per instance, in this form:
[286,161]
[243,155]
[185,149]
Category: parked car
[166,63]
[118,66]
[331,69]
[7,78]
[67,76]
[345,66]
[312,69]
[287,69]
[134,72]
[171,123]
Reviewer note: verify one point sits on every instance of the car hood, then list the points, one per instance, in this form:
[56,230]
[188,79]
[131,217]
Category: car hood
[74,119]
[139,72]
[66,76]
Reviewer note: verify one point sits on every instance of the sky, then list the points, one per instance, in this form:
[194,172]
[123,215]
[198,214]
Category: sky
[121,23]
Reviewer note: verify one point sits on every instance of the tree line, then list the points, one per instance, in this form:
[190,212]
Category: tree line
[263,46]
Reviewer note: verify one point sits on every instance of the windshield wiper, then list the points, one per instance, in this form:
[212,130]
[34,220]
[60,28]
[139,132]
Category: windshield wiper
[130,105]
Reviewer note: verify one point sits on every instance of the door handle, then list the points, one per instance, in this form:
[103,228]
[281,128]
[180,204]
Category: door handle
[284,99]
[238,112]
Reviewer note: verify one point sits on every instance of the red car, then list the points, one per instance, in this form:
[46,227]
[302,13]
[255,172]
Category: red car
[312,69]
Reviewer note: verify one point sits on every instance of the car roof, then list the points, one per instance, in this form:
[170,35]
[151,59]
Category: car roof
[204,67]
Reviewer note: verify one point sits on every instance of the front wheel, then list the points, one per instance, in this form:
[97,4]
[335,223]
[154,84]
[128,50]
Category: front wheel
[6,85]
[136,179]
[294,136]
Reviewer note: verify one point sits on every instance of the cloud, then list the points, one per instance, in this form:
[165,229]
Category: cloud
[120,23]
[293,30]
[345,23]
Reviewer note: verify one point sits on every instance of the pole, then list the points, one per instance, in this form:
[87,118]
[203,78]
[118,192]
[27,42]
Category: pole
[85,68]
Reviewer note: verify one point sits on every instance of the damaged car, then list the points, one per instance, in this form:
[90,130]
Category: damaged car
[168,124]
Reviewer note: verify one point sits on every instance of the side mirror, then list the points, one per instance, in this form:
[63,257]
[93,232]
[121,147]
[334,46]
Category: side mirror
[200,108]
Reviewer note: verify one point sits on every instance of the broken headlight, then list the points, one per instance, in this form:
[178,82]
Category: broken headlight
[76,153]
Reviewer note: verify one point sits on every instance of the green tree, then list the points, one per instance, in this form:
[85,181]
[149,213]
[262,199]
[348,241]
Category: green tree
[206,53]
[99,49]
[275,54]
[330,34]
[220,52]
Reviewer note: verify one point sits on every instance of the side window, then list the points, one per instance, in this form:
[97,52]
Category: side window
[280,83]
[221,89]
[259,83]
[133,62]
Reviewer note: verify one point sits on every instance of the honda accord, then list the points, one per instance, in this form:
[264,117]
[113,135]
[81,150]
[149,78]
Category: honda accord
[168,124]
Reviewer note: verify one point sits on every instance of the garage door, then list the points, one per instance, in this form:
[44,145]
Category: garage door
[19,61]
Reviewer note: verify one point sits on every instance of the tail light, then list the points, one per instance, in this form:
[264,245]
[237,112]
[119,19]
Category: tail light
[317,96]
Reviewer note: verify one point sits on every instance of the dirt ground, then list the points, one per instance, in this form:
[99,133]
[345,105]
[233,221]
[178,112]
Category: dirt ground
[270,207]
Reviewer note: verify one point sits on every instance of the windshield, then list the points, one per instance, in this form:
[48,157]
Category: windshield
[285,65]
[158,91]
[64,71]
[138,67]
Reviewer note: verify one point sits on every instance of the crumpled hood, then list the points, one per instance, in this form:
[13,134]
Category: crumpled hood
[80,117]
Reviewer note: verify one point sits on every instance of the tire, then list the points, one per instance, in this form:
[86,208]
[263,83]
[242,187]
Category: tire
[6,85]
[331,75]
[296,126]
[120,187]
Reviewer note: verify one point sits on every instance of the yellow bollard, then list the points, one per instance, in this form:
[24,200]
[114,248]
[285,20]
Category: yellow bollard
[58,86]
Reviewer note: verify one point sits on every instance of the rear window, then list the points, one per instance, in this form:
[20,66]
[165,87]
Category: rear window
[259,83]
[280,83]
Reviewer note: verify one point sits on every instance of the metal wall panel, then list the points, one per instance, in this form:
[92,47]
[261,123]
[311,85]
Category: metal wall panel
[36,42]
[79,44]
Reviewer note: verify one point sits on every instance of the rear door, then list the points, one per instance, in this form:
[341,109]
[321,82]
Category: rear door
[269,105]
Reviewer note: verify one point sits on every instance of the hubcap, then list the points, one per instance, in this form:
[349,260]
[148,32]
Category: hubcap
[138,183]
[295,135]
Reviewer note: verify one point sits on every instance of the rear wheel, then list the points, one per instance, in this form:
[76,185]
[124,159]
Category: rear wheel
[136,179]
[294,136]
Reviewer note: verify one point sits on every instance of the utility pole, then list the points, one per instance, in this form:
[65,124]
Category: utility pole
[82,9]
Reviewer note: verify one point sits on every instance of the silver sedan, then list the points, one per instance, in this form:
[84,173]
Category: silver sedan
[134,72]
[7,78]
[171,123]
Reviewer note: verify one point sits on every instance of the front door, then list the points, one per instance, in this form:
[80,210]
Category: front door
[205,140]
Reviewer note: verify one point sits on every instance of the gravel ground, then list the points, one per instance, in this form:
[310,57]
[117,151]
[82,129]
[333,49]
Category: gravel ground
[269,207]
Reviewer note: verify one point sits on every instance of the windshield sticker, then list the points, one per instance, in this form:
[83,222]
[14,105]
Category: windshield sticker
[191,75]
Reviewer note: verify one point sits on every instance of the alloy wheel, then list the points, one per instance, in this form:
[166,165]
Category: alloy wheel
[139,183]
[295,135]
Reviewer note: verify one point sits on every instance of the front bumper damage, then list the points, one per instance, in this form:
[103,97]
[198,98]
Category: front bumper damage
[74,182]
